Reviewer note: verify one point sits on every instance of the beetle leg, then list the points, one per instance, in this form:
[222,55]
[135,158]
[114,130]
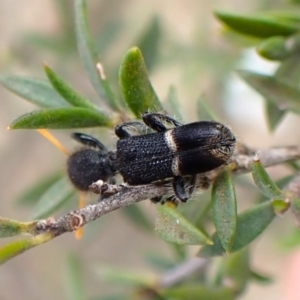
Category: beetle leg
[191,184]
[125,130]
[88,140]
[163,199]
[182,191]
[104,188]
[155,121]
[156,199]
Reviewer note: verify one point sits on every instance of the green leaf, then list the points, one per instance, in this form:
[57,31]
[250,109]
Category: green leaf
[193,292]
[135,214]
[135,84]
[33,194]
[283,182]
[285,96]
[126,277]
[224,209]
[274,115]
[257,26]
[285,15]
[70,95]
[74,278]
[172,227]
[250,224]
[15,248]
[10,227]
[261,278]
[274,48]
[289,69]
[236,270]
[61,118]
[60,192]
[148,42]
[263,181]
[89,56]
[36,91]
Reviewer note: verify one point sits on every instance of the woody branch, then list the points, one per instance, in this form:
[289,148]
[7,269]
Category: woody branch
[239,163]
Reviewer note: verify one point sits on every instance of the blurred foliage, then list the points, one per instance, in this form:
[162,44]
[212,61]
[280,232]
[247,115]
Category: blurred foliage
[62,106]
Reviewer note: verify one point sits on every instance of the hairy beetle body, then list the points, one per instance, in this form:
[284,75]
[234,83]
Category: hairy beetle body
[185,150]
[144,159]
[179,152]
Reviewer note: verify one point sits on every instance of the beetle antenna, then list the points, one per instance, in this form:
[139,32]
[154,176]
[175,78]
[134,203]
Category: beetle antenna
[53,140]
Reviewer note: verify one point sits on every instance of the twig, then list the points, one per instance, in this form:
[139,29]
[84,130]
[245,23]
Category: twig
[182,271]
[269,157]
[78,218]
[240,163]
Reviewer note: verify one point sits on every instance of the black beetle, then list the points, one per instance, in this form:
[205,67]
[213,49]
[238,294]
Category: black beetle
[178,152]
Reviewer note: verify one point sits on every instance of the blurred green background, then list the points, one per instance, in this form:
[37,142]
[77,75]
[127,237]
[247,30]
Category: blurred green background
[194,55]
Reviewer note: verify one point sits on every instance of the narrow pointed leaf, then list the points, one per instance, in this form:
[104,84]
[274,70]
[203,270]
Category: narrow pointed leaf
[193,292]
[148,42]
[89,56]
[286,15]
[60,192]
[250,224]
[289,69]
[236,270]
[33,194]
[36,91]
[274,48]
[274,115]
[263,181]
[10,227]
[257,26]
[59,118]
[135,84]
[70,95]
[174,228]
[284,181]
[261,278]
[15,248]
[224,209]
[282,94]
